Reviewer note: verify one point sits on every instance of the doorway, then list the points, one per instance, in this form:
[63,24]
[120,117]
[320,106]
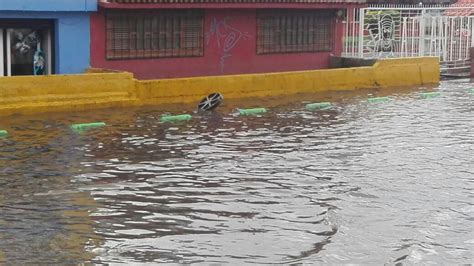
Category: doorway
[26,49]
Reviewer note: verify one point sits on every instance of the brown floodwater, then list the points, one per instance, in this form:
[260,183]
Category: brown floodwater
[360,183]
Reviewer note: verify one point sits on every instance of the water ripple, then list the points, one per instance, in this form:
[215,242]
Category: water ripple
[359,183]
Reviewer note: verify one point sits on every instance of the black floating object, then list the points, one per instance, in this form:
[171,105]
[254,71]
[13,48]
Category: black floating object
[210,102]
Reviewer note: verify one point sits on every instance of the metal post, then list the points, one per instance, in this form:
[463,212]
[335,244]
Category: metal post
[353,26]
[432,34]
[451,39]
[445,39]
[48,50]
[9,54]
[345,34]
[2,73]
[472,32]
[461,22]
[468,40]
[404,47]
[361,32]
[439,37]
[421,44]
[412,37]
[469,34]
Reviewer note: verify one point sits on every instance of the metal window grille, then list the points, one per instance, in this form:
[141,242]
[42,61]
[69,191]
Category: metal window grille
[295,31]
[154,34]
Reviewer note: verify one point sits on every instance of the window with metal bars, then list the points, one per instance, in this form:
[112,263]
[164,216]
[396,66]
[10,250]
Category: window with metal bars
[154,34]
[294,31]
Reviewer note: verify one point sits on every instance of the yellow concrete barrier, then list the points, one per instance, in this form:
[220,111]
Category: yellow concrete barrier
[96,90]
[385,73]
[32,94]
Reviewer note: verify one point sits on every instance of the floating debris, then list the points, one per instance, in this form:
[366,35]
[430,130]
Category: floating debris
[378,99]
[172,118]
[318,106]
[426,95]
[252,111]
[86,126]
[210,102]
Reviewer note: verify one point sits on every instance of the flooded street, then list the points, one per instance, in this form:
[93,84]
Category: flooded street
[363,183]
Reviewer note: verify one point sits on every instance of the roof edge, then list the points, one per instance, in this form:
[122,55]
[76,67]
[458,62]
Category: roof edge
[49,5]
[203,4]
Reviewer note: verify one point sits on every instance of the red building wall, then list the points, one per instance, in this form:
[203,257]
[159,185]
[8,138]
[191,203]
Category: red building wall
[239,57]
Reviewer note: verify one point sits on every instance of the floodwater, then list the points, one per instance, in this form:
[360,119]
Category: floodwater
[360,183]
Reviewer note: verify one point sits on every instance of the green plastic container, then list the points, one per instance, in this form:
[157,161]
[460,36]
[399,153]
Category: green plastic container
[378,99]
[3,133]
[426,95]
[252,111]
[318,106]
[173,118]
[86,126]
[471,91]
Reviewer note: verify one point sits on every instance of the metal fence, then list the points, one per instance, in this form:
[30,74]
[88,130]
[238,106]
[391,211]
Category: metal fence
[394,31]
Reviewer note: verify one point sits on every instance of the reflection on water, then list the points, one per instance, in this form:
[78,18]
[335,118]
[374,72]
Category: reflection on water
[359,183]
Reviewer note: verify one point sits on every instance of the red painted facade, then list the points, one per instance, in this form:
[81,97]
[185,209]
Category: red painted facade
[241,58]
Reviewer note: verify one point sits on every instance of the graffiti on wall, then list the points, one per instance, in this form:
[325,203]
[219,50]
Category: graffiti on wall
[226,37]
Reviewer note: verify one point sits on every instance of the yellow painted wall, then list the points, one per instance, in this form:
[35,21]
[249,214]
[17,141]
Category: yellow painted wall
[96,90]
[30,94]
[385,73]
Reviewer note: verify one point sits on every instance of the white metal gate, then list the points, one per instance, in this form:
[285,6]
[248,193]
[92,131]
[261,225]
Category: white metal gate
[410,31]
